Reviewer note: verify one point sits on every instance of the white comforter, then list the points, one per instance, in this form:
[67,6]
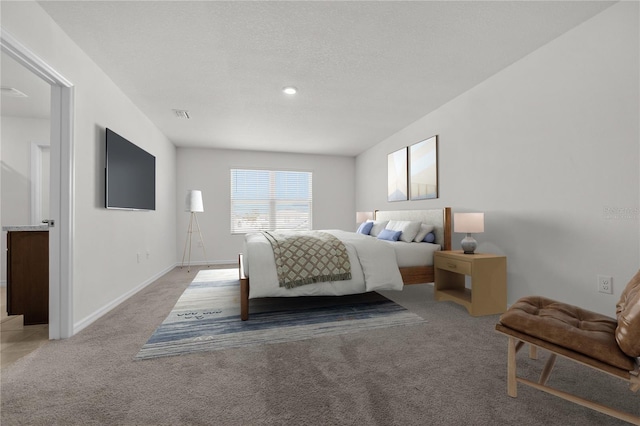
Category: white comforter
[373,267]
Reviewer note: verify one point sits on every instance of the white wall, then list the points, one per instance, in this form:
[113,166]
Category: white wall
[209,171]
[105,267]
[544,148]
[16,138]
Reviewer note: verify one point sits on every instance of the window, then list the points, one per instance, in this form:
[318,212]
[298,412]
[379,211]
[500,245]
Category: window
[268,200]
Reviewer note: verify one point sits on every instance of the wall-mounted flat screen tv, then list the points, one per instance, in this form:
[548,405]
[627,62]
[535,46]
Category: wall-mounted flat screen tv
[130,175]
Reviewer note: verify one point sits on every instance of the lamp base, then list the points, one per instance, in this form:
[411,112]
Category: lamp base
[469,244]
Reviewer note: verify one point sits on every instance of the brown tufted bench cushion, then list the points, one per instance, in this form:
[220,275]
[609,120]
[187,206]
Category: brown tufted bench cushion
[582,331]
[628,313]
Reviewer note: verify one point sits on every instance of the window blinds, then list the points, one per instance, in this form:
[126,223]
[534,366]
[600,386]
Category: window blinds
[268,200]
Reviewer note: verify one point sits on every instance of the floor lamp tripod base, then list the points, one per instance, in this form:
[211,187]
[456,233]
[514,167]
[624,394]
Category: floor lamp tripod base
[192,219]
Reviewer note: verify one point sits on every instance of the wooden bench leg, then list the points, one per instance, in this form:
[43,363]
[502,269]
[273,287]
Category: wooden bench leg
[630,418]
[517,341]
[519,345]
[634,384]
[512,382]
[547,368]
[533,352]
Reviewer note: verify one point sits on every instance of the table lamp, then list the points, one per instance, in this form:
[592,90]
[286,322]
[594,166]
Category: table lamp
[363,217]
[468,223]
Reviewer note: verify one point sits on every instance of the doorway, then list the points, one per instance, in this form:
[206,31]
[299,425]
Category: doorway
[61,184]
[25,116]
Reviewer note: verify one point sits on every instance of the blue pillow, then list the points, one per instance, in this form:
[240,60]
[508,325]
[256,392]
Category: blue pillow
[365,228]
[430,237]
[389,235]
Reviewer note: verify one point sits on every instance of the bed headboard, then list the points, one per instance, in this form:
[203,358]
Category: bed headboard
[439,218]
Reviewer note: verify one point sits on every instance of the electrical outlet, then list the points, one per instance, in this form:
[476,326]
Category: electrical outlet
[605,284]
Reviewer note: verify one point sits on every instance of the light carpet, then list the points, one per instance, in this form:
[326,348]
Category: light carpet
[206,317]
[449,371]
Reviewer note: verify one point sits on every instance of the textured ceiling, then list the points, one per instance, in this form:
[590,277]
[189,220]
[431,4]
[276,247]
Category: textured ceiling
[364,70]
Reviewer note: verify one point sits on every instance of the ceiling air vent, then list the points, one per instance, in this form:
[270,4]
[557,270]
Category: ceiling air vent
[180,113]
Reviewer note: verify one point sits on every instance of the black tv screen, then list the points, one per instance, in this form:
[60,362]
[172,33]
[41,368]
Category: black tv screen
[130,181]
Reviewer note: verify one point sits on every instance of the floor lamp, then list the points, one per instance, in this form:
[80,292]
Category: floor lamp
[194,205]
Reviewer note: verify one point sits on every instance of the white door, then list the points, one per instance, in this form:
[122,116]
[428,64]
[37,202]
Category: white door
[40,170]
[44,183]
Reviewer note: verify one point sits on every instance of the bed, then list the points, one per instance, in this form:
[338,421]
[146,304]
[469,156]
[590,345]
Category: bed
[376,264]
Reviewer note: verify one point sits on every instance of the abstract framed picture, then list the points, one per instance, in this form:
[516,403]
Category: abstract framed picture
[423,169]
[397,175]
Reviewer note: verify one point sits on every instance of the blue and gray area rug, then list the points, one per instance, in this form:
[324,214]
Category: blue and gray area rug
[207,317]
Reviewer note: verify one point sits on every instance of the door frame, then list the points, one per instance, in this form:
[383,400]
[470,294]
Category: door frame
[61,185]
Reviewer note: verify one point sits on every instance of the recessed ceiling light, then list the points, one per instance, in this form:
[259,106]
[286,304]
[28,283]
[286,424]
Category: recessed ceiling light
[12,92]
[290,90]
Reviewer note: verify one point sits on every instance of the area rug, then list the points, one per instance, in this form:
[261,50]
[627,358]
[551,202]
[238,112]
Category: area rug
[207,317]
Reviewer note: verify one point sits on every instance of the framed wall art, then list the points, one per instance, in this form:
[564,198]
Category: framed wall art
[397,175]
[423,169]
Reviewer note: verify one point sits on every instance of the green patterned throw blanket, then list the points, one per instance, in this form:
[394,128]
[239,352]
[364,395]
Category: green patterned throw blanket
[305,257]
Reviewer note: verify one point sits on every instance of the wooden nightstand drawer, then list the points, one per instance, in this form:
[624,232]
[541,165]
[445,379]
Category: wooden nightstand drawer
[453,265]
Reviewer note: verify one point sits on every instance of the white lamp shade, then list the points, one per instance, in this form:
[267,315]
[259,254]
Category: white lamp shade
[363,216]
[468,222]
[194,201]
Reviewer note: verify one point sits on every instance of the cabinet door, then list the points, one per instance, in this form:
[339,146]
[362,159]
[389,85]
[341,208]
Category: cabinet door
[28,275]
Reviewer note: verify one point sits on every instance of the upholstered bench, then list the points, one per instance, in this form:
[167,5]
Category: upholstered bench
[600,342]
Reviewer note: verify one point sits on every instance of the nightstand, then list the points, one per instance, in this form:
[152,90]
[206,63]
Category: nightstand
[488,272]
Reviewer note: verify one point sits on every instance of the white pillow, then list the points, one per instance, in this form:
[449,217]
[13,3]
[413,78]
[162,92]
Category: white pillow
[378,226]
[409,229]
[424,230]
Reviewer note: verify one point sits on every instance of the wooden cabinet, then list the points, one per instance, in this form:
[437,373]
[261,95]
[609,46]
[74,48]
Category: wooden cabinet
[28,275]
[488,272]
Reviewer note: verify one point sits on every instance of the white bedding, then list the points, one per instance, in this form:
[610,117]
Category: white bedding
[413,254]
[373,267]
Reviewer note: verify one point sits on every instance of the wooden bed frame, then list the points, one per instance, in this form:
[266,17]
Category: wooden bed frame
[411,275]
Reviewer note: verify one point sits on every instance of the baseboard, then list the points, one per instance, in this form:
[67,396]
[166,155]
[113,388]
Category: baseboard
[84,323]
